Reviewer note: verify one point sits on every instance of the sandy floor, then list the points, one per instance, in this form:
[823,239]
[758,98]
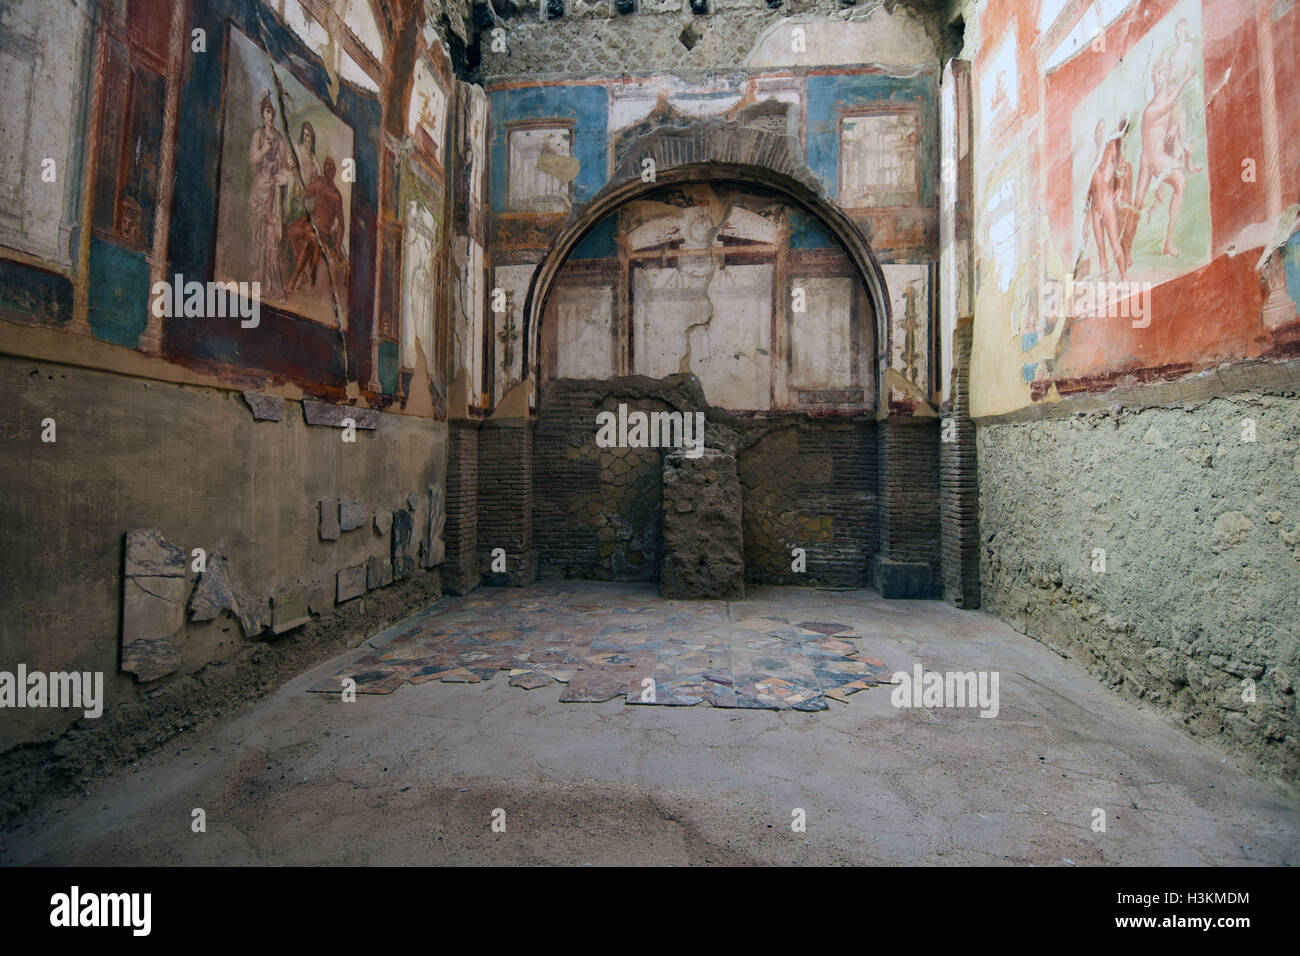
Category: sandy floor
[414,777]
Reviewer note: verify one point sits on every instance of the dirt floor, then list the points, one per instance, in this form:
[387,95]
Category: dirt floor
[419,776]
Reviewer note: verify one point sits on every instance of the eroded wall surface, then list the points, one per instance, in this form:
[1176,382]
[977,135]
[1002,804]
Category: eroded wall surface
[193,463]
[595,37]
[1163,551]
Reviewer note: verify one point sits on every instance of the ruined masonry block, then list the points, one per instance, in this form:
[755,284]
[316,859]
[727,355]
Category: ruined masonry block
[403,563]
[383,522]
[435,548]
[329,520]
[215,593]
[255,618]
[904,580]
[704,553]
[154,591]
[318,413]
[351,583]
[266,408]
[289,609]
[352,515]
[320,598]
[379,573]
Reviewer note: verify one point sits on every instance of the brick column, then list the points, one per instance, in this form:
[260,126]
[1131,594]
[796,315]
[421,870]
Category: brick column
[505,500]
[908,562]
[959,485]
[460,570]
[958,477]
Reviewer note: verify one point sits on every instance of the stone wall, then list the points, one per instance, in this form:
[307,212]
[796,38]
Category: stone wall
[804,483]
[811,485]
[613,37]
[193,463]
[1198,589]
[704,555]
[598,509]
[959,486]
[460,572]
[908,565]
[505,500]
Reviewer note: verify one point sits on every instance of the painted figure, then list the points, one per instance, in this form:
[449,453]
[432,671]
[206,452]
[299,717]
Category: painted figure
[308,169]
[1161,127]
[323,218]
[1181,65]
[1109,205]
[269,156]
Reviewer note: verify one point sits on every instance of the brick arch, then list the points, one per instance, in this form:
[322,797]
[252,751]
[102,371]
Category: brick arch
[711,153]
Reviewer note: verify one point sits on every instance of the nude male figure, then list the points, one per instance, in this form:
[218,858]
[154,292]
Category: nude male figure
[324,217]
[1180,66]
[1156,166]
[1107,194]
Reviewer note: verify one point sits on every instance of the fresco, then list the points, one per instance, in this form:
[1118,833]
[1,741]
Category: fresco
[878,159]
[1130,226]
[39,98]
[507,317]
[998,237]
[467,296]
[474,140]
[419,287]
[716,322]
[1140,189]
[698,268]
[582,109]
[585,319]
[284,208]
[819,334]
[999,84]
[541,167]
[837,109]
[427,116]
[909,345]
[701,288]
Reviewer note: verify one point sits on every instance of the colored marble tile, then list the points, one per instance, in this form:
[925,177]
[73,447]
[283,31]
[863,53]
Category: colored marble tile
[823,628]
[638,646]
[372,676]
[528,680]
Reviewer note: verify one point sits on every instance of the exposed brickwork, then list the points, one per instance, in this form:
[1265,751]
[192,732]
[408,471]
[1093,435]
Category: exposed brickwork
[959,487]
[909,491]
[460,571]
[505,499]
[757,138]
[811,486]
[597,509]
